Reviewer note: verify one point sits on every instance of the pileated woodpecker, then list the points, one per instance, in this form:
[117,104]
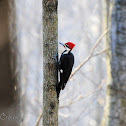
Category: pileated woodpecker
[65,65]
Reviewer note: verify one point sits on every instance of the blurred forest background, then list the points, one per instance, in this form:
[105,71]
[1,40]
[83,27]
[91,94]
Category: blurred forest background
[81,22]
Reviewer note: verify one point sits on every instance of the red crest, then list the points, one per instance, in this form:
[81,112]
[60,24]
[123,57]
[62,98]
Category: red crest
[70,45]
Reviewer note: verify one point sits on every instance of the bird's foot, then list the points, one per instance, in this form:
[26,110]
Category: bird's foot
[55,57]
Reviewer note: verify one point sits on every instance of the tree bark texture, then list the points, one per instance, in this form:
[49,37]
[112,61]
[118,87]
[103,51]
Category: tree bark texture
[115,114]
[50,74]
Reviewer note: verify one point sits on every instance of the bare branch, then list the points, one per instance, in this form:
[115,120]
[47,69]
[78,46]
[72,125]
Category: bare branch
[82,97]
[103,51]
[39,118]
[91,54]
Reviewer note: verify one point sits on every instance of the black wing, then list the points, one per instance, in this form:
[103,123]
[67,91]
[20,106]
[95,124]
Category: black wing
[66,65]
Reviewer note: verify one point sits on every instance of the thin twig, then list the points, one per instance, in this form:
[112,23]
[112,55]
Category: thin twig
[103,51]
[91,54]
[39,118]
[82,97]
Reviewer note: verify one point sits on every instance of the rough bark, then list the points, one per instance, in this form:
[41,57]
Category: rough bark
[115,114]
[50,49]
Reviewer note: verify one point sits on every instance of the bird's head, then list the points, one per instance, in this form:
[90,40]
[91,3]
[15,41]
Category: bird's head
[68,46]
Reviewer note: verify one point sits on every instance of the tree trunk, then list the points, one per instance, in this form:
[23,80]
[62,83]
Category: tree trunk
[9,65]
[15,62]
[115,114]
[14,55]
[50,49]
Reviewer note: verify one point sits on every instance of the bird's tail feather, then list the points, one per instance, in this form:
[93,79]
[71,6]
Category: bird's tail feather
[58,88]
[63,86]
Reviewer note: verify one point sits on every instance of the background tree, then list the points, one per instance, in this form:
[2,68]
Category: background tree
[116,92]
[20,61]
[50,49]
[9,64]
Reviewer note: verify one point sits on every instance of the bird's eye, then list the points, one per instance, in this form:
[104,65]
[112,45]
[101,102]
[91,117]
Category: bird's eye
[66,45]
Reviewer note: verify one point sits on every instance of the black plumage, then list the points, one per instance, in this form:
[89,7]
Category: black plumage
[66,63]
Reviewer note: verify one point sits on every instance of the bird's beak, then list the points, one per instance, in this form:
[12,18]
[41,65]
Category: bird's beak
[61,44]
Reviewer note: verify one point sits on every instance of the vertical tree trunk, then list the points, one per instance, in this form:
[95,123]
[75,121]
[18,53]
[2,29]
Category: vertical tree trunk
[50,48]
[14,54]
[15,62]
[9,97]
[115,114]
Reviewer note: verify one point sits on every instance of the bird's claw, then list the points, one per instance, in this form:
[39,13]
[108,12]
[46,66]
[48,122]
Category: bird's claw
[55,57]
